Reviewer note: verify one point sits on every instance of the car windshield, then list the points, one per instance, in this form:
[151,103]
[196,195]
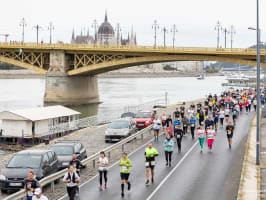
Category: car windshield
[63,150]
[25,161]
[119,124]
[143,115]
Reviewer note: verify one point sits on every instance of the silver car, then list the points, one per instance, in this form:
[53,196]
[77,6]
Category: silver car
[119,129]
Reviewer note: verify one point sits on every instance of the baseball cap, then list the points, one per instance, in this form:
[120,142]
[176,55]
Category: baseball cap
[38,191]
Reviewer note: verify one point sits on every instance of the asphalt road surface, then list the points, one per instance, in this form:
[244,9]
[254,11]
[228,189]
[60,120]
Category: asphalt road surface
[193,175]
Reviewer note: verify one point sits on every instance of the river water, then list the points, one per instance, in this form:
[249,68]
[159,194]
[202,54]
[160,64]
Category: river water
[115,93]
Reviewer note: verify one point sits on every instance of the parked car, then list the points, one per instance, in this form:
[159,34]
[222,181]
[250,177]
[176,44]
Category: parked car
[143,119]
[42,162]
[119,129]
[64,150]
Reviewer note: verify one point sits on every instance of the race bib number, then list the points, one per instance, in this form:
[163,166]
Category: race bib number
[147,164]
[30,193]
[101,168]
[124,168]
[153,163]
[178,136]
[192,125]
[229,133]
[185,125]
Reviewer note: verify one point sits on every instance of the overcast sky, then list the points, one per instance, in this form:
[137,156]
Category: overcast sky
[194,19]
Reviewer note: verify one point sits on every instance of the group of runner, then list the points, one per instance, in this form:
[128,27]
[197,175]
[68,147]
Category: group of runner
[202,120]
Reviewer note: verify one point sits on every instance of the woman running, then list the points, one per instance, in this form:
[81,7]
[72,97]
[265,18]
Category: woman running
[125,165]
[103,163]
[201,133]
[71,179]
[210,135]
[221,116]
[168,149]
[156,128]
[227,113]
[164,123]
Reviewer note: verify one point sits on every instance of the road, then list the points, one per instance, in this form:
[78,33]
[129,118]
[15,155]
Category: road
[208,176]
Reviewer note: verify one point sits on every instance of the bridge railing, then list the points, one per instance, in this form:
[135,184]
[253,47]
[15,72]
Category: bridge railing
[122,47]
[90,160]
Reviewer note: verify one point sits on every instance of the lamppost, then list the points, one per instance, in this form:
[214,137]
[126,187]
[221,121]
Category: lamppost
[155,26]
[51,28]
[37,27]
[23,25]
[218,27]
[164,34]
[258,88]
[232,32]
[225,30]
[174,31]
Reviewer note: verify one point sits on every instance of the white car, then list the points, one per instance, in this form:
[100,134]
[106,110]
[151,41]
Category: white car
[119,129]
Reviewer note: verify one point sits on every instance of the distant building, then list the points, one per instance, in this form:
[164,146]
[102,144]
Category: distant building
[105,36]
[82,38]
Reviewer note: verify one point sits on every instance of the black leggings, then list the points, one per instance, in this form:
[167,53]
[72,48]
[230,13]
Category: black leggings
[103,174]
[71,192]
[222,121]
[168,156]
[178,142]
[192,129]
[185,129]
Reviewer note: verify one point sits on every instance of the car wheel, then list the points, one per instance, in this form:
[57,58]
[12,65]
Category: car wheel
[106,141]
[3,191]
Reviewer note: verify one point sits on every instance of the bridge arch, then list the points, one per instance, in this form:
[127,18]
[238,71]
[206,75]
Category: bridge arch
[130,62]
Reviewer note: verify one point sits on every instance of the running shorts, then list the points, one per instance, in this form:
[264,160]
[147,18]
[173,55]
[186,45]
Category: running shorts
[124,176]
[150,164]
[229,135]
[226,115]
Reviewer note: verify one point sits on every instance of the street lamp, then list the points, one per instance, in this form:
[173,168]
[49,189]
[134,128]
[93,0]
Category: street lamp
[258,87]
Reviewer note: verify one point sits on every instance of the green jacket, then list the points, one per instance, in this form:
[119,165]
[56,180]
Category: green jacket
[125,165]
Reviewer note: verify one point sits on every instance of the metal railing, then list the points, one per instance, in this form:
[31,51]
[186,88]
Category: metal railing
[91,159]
[123,47]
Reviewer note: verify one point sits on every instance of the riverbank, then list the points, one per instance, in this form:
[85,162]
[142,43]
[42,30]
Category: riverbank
[24,74]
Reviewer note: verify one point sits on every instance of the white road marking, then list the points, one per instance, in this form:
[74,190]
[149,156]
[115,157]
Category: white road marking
[173,170]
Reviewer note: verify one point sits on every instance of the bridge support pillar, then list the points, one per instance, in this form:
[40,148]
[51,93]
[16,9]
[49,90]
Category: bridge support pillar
[74,90]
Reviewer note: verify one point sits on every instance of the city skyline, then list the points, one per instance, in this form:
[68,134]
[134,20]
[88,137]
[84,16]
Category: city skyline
[195,26]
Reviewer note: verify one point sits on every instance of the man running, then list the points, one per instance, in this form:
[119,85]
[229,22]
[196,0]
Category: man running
[185,123]
[192,125]
[30,185]
[178,132]
[229,133]
[125,164]
[221,116]
[150,154]
[77,167]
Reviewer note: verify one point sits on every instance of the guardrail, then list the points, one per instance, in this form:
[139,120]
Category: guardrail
[20,195]
[122,47]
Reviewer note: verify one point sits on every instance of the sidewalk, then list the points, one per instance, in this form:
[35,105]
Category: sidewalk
[249,187]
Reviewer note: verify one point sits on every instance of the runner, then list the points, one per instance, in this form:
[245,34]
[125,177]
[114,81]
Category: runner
[221,116]
[210,135]
[201,117]
[240,106]
[185,123]
[178,135]
[255,103]
[169,121]
[227,114]
[230,132]
[103,163]
[163,120]
[71,179]
[182,111]
[192,125]
[150,154]
[216,120]
[38,195]
[234,115]
[125,165]
[201,133]
[168,150]
[176,113]
[30,184]
[246,106]
[156,128]
[77,167]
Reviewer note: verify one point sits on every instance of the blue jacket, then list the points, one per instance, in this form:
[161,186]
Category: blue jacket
[171,145]
[192,120]
[175,123]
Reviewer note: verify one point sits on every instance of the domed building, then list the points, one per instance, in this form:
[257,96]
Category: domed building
[106,34]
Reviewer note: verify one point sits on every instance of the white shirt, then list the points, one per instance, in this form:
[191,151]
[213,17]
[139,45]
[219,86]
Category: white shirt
[255,102]
[41,198]
[103,163]
[211,133]
[71,184]
[156,124]
[227,111]
[221,114]
[201,133]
